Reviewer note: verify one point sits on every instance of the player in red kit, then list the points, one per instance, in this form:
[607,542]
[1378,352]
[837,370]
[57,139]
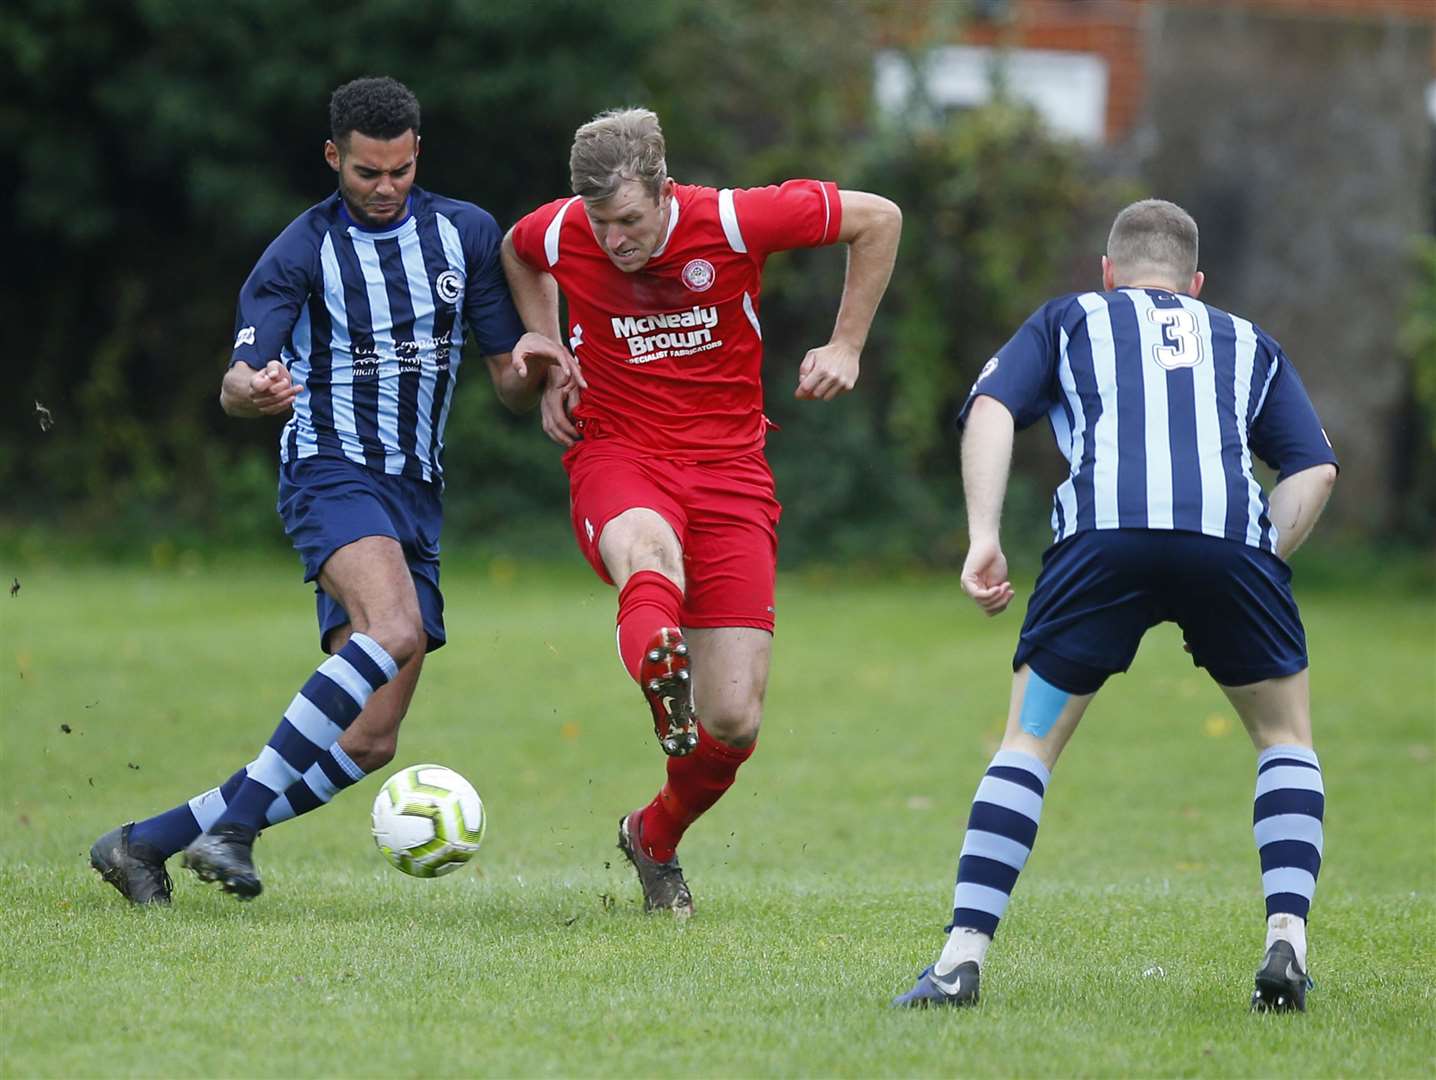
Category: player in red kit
[672,498]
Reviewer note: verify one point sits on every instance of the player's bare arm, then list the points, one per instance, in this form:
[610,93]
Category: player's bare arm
[535,292]
[1296,502]
[267,392]
[560,389]
[518,389]
[871,227]
[541,353]
[556,406]
[535,295]
[986,461]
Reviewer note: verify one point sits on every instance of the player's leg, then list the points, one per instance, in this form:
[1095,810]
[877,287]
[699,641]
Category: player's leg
[730,553]
[1287,821]
[643,557]
[629,527]
[370,579]
[641,553]
[1245,629]
[370,742]
[730,677]
[132,856]
[326,505]
[1087,614]
[730,681]
[1002,824]
[628,524]
[367,744]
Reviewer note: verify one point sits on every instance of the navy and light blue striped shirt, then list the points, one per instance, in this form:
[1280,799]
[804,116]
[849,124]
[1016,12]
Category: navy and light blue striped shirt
[368,321]
[1158,403]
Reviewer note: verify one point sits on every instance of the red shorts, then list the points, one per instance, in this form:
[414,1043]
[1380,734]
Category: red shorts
[724,513]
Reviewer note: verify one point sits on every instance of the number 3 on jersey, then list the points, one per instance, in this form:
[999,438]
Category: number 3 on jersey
[1181,344]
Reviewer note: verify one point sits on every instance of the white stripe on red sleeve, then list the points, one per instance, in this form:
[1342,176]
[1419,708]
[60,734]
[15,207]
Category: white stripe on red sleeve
[550,236]
[728,215]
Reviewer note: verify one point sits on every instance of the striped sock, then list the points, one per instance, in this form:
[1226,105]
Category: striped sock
[173,830]
[1000,833]
[326,705]
[332,773]
[1287,823]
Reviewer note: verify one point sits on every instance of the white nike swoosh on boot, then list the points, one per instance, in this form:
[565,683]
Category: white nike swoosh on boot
[943,983]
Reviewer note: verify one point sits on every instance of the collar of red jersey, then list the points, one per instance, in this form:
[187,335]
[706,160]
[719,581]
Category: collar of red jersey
[672,224]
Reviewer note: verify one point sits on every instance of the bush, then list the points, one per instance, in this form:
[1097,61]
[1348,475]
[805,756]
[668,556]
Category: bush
[158,146]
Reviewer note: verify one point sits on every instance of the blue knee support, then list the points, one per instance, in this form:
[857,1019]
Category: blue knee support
[1042,704]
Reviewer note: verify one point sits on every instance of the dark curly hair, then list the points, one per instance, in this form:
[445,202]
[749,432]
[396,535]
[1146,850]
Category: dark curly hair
[377,106]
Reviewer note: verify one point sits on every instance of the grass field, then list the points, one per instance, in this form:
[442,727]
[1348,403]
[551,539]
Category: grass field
[822,880]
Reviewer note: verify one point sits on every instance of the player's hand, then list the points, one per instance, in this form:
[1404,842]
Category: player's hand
[536,350]
[271,391]
[984,577]
[827,372]
[556,406]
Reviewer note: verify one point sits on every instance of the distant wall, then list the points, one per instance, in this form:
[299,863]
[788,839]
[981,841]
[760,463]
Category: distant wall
[1302,146]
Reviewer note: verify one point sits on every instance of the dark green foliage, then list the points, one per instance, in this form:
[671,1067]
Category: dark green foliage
[993,211]
[1419,333]
[1416,479]
[154,148]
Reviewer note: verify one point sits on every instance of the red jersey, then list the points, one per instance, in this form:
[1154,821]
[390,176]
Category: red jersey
[673,352]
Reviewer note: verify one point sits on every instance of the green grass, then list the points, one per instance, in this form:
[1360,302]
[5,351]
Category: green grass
[822,880]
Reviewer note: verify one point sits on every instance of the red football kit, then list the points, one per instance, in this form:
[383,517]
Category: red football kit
[672,418]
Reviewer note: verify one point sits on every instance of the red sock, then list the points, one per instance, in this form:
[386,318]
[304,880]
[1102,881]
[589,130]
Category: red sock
[695,783]
[647,603]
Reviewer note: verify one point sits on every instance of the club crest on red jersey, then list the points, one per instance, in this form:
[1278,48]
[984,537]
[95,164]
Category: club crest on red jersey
[698,275]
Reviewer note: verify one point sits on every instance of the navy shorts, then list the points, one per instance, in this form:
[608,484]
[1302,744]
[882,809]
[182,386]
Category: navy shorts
[328,502]
[1102,589]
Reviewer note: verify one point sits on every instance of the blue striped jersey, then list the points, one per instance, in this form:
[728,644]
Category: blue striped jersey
[1158,402]
[368,322]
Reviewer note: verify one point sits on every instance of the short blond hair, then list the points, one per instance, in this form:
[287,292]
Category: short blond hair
[1154,235]
[614,147]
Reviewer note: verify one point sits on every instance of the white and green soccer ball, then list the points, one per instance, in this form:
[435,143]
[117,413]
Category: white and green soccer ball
[428,820]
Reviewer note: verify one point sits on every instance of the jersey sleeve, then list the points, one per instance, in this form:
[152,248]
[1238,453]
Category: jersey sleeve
[488,308]
[1023,373]
[532,240]
[1286,433]
[797,214]
[270,301]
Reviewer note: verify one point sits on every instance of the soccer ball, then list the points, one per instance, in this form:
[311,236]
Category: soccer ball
[428,820]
